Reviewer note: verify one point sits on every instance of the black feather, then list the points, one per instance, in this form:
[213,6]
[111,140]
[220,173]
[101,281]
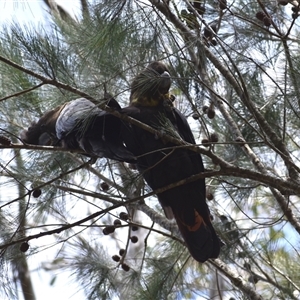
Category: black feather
[161,164]
[80,124]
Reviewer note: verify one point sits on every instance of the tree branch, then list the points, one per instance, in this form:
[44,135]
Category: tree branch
[237,280]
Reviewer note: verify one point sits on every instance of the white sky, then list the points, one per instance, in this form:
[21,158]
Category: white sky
[30,11]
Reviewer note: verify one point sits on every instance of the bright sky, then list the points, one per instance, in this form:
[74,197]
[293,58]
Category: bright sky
[28,11]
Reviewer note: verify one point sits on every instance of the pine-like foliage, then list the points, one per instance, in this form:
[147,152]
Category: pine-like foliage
[235,68]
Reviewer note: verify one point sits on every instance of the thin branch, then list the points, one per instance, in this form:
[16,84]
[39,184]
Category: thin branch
[44,79]
[236,279]
[60,176]
[22,92]
[226,169]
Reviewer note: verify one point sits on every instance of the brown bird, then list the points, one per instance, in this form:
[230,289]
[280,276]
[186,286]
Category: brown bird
[162,163]
[80,124]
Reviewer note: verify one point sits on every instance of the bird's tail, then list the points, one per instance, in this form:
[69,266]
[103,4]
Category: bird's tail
[199,236]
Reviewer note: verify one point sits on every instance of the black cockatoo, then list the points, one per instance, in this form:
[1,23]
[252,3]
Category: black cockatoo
[162,163]
[80,124]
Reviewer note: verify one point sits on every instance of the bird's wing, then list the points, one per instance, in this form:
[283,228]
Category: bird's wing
[73,114]
[80,124]
[208,246]
[162,164]
[183,127]
[97,132]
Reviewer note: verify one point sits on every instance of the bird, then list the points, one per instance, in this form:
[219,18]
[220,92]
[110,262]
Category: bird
[81,125]
[161,163]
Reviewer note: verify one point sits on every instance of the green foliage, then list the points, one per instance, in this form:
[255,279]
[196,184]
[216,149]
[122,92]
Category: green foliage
[248,77]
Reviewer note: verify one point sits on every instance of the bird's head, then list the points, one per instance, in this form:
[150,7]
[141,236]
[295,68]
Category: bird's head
[151,86]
